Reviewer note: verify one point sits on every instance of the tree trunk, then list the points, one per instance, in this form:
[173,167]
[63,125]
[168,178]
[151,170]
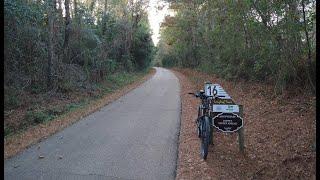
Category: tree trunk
[104,24]
[310,73]
[51,8]
[75,5]
[55,4]
[92,6]
[60,5]
[130,32]
[67,32]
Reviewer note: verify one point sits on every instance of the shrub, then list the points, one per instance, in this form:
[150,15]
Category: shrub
[37,117]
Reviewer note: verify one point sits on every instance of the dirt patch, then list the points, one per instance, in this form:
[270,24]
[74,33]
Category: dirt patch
[18,142]
[279,134]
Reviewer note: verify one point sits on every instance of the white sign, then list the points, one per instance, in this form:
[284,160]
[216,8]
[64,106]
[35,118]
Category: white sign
[215,90]
[208,89]
[225,108]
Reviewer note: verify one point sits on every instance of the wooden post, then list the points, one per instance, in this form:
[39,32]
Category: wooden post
[241,131]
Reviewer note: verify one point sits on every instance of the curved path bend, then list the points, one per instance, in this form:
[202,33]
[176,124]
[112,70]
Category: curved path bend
[135,137]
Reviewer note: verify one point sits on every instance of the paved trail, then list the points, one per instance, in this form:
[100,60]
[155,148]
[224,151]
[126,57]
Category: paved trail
[135,137]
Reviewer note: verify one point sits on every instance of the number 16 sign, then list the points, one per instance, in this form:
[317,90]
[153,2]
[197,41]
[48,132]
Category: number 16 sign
[215,90]
[210,89]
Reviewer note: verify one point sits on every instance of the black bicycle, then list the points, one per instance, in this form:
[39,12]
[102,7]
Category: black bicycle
[204,120]
[204,123]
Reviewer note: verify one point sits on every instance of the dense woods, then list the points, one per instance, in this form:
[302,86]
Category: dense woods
[266,41]
[56,47]
[64,45]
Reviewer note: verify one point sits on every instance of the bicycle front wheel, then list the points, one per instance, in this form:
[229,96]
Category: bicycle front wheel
[205,137]
[198,121]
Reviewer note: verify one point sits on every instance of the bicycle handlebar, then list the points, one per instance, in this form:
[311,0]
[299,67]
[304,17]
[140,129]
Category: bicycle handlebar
[203,95]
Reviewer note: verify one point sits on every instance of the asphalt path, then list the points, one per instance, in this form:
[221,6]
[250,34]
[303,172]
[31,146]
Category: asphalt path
[135,137]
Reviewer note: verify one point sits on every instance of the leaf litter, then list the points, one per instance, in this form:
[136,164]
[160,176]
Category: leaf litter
[279,134]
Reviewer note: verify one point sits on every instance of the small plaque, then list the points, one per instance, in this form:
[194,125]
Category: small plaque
[227,122]
[226,108]
[222,101]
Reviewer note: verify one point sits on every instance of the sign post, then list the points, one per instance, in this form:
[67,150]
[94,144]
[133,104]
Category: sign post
[241,131]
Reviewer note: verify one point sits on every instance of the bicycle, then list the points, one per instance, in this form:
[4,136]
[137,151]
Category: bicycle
[204,123]
[206,114]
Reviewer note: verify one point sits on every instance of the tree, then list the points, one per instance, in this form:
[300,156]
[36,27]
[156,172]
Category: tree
[51,8]
[256,40]
[310,71]
[104,24]
[66,32]
[68,51]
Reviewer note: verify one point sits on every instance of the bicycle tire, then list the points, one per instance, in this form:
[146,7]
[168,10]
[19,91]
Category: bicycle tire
[205,137]
[198,122]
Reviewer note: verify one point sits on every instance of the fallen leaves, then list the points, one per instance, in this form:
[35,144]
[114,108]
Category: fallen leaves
[276,129]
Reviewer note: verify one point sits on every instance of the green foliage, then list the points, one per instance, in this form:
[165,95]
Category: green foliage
[11,100]
[125,46]
[143,46]
[25,42]
[168,61]
[73,106]
[36,88]
[253,40]
[8,131]
[56,111]
[65,86]
[121,79]
[111,65]
[38,116]
[78,57]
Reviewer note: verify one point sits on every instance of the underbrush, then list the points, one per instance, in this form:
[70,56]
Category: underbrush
[120,79]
